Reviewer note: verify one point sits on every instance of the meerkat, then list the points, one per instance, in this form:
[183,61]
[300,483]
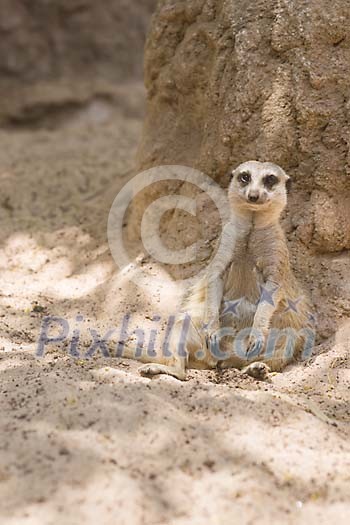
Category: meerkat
[249,311]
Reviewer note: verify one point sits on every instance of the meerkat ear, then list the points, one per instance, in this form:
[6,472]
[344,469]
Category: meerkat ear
[288,184]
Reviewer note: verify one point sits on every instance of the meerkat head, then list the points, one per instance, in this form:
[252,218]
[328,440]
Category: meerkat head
[258,186]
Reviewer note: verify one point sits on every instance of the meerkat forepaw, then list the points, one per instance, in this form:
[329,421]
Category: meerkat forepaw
[257,370]
[212,344]
[255,346]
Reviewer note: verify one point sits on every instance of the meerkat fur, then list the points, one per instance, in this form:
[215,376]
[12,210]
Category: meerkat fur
[248,311]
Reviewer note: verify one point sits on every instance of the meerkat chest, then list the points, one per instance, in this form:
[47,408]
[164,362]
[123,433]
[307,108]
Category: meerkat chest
[245,274]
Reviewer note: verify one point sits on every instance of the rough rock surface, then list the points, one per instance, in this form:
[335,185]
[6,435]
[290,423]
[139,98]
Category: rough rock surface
[234,80]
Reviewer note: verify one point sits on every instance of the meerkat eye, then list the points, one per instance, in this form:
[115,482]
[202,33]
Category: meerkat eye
[245,177]
[270,181]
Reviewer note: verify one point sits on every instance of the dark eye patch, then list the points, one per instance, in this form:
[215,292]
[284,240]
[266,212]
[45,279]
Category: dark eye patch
[244,177]
[270,181]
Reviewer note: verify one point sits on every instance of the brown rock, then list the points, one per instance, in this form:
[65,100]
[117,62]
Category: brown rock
[237,80]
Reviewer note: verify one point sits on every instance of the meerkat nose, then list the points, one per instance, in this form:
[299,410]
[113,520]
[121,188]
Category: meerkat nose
[253,196]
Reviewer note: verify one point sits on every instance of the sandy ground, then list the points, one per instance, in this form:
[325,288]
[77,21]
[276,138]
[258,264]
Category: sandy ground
[86,441]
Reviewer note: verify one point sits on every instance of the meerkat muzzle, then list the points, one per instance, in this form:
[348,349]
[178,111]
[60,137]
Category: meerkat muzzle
[253,196]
